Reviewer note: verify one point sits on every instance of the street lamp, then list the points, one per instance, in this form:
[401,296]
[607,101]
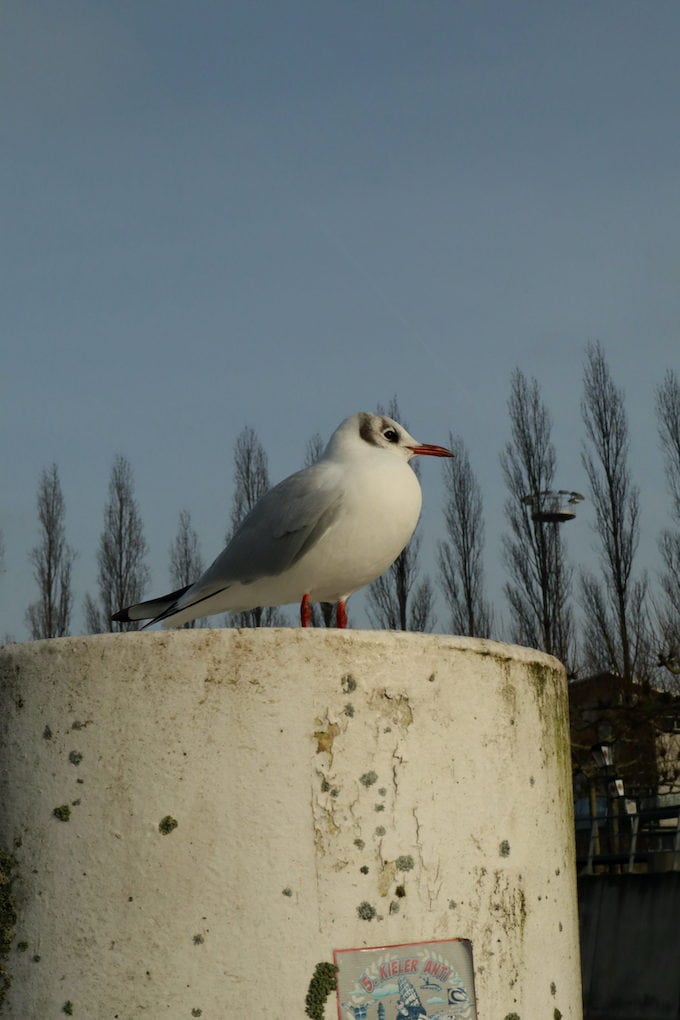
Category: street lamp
[603,756]
[550,507]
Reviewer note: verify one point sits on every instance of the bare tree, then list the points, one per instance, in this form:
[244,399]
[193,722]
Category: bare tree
[396,599]
[52,560]
[538,591]
[668,608]
[122,574]
[315,448]
[251,481]
[616,635]
[461,571]
[186,564]
[422,616]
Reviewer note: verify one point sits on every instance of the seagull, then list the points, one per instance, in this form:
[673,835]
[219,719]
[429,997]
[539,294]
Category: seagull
[317,536]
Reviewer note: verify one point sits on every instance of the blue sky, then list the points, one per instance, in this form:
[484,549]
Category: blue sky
[219,214]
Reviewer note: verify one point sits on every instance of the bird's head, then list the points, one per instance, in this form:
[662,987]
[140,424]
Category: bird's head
[377,431]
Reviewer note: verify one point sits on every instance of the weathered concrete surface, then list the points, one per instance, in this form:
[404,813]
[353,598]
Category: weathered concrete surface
[290,761]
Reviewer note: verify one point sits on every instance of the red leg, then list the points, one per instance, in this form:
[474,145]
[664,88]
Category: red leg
[305,611]
[341,615]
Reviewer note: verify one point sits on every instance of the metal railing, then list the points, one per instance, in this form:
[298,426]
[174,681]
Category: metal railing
[615,840]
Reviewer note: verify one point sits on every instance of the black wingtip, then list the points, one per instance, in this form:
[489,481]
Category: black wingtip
[121,617]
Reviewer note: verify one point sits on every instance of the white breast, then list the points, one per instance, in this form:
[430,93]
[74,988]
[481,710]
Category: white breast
[380,510]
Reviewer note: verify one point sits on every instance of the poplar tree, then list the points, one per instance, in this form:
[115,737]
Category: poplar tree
[52,558]
[122,572]
[616,632]
[251,482]
[668,608]
[539,586]
[186,564]
[461,570]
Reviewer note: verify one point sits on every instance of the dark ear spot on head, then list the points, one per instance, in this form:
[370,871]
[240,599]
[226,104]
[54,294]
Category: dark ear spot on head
[366,429]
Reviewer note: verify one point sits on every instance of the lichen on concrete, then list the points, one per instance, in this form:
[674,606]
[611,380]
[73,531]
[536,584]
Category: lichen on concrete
[366,912]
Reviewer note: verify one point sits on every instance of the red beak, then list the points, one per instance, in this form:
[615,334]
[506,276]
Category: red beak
[427,450]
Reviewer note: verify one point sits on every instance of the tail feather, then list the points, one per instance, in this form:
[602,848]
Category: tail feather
[151,609]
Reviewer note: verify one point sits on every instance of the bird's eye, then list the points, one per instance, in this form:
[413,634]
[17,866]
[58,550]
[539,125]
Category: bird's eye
[391,435]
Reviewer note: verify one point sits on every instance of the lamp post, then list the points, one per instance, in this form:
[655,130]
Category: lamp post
[603,755]
[550,507]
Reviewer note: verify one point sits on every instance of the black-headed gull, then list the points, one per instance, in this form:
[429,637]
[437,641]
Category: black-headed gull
[317,536]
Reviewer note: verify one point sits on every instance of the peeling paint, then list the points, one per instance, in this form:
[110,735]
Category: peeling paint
[324,738]
[386,877]
[394,707]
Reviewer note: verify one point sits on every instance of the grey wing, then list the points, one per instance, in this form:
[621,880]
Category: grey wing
[278,531]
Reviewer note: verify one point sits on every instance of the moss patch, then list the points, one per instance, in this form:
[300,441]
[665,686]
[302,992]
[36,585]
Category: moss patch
[320,987]
[8,917]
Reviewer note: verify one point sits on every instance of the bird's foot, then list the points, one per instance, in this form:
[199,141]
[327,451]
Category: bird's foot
[341,615]
[305,611]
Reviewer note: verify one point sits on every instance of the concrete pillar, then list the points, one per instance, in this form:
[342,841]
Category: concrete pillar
[194,820]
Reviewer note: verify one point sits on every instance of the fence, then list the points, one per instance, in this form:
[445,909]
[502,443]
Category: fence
[612,839]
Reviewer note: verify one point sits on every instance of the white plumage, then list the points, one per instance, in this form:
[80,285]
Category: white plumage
[317,536]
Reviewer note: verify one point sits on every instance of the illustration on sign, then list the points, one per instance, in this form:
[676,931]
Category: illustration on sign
[416,981]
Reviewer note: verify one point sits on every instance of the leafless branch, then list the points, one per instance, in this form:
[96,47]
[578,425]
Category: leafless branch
[461,570]
[52,561]
[122,575]
[251,481]
[186,564]
[624,633]
[539,587]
